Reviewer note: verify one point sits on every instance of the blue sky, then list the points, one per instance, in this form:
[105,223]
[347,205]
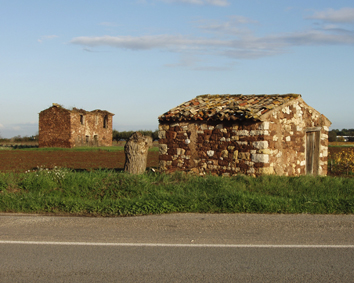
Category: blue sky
[140,58]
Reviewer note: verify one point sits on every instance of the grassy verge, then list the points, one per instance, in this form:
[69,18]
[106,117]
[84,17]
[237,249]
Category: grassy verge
[107,193]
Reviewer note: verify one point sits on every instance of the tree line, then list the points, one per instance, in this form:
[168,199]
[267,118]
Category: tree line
[125,135]
[333,135]
[337,135]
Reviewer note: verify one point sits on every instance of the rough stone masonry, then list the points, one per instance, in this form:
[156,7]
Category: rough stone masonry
[243,134]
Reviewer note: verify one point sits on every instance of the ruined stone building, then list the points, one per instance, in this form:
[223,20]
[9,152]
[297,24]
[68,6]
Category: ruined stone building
[60,127]
[244,134]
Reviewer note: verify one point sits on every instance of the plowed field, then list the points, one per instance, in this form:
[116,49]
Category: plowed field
[22,160]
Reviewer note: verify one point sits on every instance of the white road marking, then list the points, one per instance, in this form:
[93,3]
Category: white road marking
[175,245]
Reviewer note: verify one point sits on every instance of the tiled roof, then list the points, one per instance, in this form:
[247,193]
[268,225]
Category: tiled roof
[226,107]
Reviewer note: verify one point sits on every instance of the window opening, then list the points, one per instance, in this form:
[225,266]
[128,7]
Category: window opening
[105,122]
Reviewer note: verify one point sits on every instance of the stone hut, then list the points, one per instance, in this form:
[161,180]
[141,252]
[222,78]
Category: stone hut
[244,134]
[60,127]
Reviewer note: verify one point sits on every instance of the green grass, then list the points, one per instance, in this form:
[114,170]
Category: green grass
[108,193]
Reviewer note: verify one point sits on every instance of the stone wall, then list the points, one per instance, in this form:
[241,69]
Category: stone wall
[54,128]
[59,127]
[88,129]
[276,145]
[287,139]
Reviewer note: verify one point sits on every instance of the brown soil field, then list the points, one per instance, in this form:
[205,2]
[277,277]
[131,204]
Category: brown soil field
[22,160]
[335,150]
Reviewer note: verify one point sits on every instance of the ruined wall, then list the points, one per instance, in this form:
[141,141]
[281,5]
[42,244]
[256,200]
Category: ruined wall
[54,128]
[89,128]
[275,146]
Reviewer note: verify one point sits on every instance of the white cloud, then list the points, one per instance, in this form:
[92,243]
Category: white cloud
[230,38]
[1,126]
[221,3]
[234,26]
[175,42]
[247,46]
[344,15]
[46,37]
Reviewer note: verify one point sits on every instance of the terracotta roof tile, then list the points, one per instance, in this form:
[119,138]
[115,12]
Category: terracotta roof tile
[226,107]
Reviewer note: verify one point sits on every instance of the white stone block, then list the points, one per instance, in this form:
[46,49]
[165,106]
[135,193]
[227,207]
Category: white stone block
[264,126]
[210,153]
[260,144]
[256,133]
[242,133]
[325,152]
[162,148]
[162,134]
[286,110]
[264,158]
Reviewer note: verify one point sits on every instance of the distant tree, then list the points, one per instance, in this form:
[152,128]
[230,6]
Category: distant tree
[115,134]
[332,136]
[155,135]
[125,135]
[344,132]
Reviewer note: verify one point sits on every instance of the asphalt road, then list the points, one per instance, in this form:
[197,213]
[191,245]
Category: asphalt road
[177,248]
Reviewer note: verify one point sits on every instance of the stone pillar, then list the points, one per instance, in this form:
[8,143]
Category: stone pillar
[136,152]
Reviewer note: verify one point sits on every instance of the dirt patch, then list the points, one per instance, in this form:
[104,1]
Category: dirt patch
[21,160]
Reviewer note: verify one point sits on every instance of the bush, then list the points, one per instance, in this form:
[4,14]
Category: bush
[125,135]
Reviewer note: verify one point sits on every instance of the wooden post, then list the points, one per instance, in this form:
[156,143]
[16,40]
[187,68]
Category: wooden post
[136,152]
